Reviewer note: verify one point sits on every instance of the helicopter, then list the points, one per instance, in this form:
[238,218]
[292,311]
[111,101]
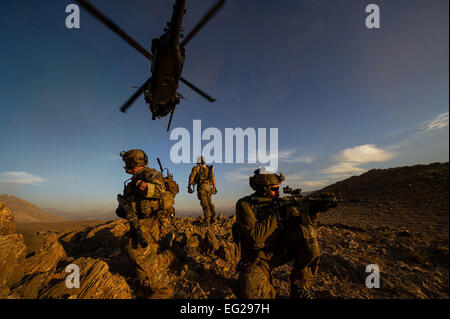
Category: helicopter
[167,60]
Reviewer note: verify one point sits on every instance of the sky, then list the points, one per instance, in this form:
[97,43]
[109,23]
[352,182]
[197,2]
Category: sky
[344,98]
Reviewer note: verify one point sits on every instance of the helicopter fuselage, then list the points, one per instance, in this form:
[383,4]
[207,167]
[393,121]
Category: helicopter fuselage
[168,60]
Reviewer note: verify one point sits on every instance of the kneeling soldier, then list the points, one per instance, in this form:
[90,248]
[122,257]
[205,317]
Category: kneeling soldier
[267,242]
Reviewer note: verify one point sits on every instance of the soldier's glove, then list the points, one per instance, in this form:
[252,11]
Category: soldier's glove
[190,190]
[214,190]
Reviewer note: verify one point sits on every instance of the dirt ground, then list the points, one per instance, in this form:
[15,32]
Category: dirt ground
[410,249]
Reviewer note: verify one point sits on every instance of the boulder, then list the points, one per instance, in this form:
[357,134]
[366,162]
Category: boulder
[101,241]
[48,258]
[229,252]
[7,224]
[12,255]
[96,282]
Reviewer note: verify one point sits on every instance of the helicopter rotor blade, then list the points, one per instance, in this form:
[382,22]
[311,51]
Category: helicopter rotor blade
[133,98]
[203,21]
[116,29]
[170,119]
[196,89]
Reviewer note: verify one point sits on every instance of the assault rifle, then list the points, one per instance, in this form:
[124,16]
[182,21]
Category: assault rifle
[312,205]
[135,228]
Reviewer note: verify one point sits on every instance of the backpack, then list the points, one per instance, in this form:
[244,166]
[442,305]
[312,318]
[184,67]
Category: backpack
[171,185]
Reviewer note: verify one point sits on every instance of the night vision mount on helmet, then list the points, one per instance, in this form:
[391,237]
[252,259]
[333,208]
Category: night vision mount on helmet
[134,158]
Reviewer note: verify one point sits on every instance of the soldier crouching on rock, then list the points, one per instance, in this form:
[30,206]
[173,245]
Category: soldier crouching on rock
[203,176]
[147,206]
[267,242]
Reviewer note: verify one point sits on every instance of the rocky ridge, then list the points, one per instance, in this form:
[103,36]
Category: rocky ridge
[410,247]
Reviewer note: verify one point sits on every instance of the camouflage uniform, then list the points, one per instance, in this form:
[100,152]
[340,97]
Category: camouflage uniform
[266,242]
[202,176]
[149,214]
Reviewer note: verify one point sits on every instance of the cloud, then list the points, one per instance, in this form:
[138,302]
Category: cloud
[438,122]
[364,154]
[239,174]
[236,177]
[315,184]
[350,159]
[298,180]
[343,167]
[21,178]
[291,156]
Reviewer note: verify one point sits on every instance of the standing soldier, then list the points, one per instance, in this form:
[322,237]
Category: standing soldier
[203,176]
[147,206]
[267,242]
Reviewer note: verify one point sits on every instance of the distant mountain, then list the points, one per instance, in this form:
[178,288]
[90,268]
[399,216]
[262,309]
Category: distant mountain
[416,187]
[25,212]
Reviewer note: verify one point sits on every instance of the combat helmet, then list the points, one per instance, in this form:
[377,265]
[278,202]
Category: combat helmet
[134,158]
[262,179]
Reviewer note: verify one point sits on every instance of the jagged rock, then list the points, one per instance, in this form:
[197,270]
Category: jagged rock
[100,241]
[404,233]
[211,242]
[96,282]
[229,252]
[12,254]
[31,285]
[187,289]
[192,242]
[4,291]
[352,244]
[7,224]
[342,266]
[47,259]
[227,293]
[117,228]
